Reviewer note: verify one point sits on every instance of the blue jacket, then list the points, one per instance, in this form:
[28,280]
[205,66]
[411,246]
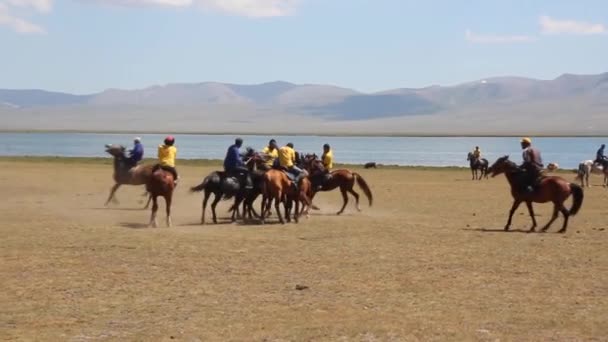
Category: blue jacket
[137,153]
[233,159]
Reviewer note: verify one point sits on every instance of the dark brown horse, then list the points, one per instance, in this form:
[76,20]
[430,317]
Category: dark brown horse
[225,187]
[342,179]
[549,189]
[479,166]
[160,184]
[123,175]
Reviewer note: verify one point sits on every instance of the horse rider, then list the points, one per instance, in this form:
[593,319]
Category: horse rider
[599,156]
[287,159]
[532,165]
[166,157]
[272,153]
[234,165]
[477,153]
[136,154]
[327,158]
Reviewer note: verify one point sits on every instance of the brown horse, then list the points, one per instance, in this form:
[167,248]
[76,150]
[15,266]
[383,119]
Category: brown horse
[160,184]
[343,179]
[549,189]
[138,175]
[278,187]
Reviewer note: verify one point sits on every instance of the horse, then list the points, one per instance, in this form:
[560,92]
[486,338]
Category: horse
[342,178]
[278,187]
[161,183]
[479,166]
[225,187]
[138,175]
[370,165]
[587,167]
[550,189]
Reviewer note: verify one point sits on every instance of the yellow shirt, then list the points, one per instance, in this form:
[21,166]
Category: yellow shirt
[166,155]
[287,156]
[476,153]
[328,160]
[274,154]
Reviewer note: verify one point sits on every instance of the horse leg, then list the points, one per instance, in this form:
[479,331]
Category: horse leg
[296,214]
[356,196]
[345,199]
[205,200]
[153,223]
[516,204]
[531,211]
[216,200]
[288,206]
[235,212]
[566,214]
[277,207]
[472,174]
[168,200]
[112,191]
[553,218]
[149,200]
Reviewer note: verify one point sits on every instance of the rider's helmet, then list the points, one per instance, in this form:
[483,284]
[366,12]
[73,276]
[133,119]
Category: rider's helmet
[169,140]
[137,140]
[526,141]
[290,145]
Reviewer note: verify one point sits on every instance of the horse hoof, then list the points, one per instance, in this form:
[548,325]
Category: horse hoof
[561,231]
[507,228]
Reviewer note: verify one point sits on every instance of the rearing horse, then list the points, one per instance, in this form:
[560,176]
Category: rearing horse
[550,189]
[138,175]
[478,165]
[343,179]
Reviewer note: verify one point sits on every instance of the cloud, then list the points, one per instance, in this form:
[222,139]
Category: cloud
[496,39]
[39,5]
[246,8]
[18,24]
[549,25]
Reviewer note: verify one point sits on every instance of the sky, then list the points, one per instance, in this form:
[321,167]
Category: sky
[86,46]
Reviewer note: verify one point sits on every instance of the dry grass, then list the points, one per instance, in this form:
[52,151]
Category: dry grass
[427,262]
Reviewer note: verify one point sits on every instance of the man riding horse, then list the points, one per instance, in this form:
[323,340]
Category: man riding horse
[272,153]
[136,154]
[287,160]
[532,165]
[234,165]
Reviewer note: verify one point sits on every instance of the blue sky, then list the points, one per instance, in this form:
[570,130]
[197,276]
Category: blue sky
[84,46]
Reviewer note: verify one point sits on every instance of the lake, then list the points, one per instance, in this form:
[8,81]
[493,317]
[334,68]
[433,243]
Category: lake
[418,151]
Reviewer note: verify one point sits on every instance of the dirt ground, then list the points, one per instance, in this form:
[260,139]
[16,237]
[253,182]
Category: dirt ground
[429,261]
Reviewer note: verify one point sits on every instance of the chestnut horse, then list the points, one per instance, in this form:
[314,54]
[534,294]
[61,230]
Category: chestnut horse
[278,187]
[160,184]
[343,179]
[138,175]
[549,189]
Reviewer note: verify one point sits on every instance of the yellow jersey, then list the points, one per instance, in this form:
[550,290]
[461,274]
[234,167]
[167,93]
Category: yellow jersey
[166,155]
[274,154]
[477,153]
[328,160]
[287,156]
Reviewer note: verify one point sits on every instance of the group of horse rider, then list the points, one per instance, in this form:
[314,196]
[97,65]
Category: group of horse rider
[235,165]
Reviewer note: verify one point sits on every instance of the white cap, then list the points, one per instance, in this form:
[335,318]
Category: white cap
[137,139]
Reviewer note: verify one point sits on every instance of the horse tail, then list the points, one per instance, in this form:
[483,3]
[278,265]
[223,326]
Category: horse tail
[201,186]
[577,194]
[363,185]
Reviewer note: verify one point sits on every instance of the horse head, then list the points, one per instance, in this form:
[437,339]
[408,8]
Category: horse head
[502,165]
[116,151]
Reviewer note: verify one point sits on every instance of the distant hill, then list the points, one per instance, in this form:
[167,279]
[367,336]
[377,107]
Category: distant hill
[569,103]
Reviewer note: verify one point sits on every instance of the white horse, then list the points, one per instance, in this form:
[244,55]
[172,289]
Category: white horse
[586,168]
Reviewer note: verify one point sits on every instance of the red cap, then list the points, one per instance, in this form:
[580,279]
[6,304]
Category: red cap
[169,138]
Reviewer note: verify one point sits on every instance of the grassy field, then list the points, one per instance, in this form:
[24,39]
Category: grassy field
[429,261]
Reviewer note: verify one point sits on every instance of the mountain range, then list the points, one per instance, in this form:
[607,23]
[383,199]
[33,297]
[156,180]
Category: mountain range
[568,104]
